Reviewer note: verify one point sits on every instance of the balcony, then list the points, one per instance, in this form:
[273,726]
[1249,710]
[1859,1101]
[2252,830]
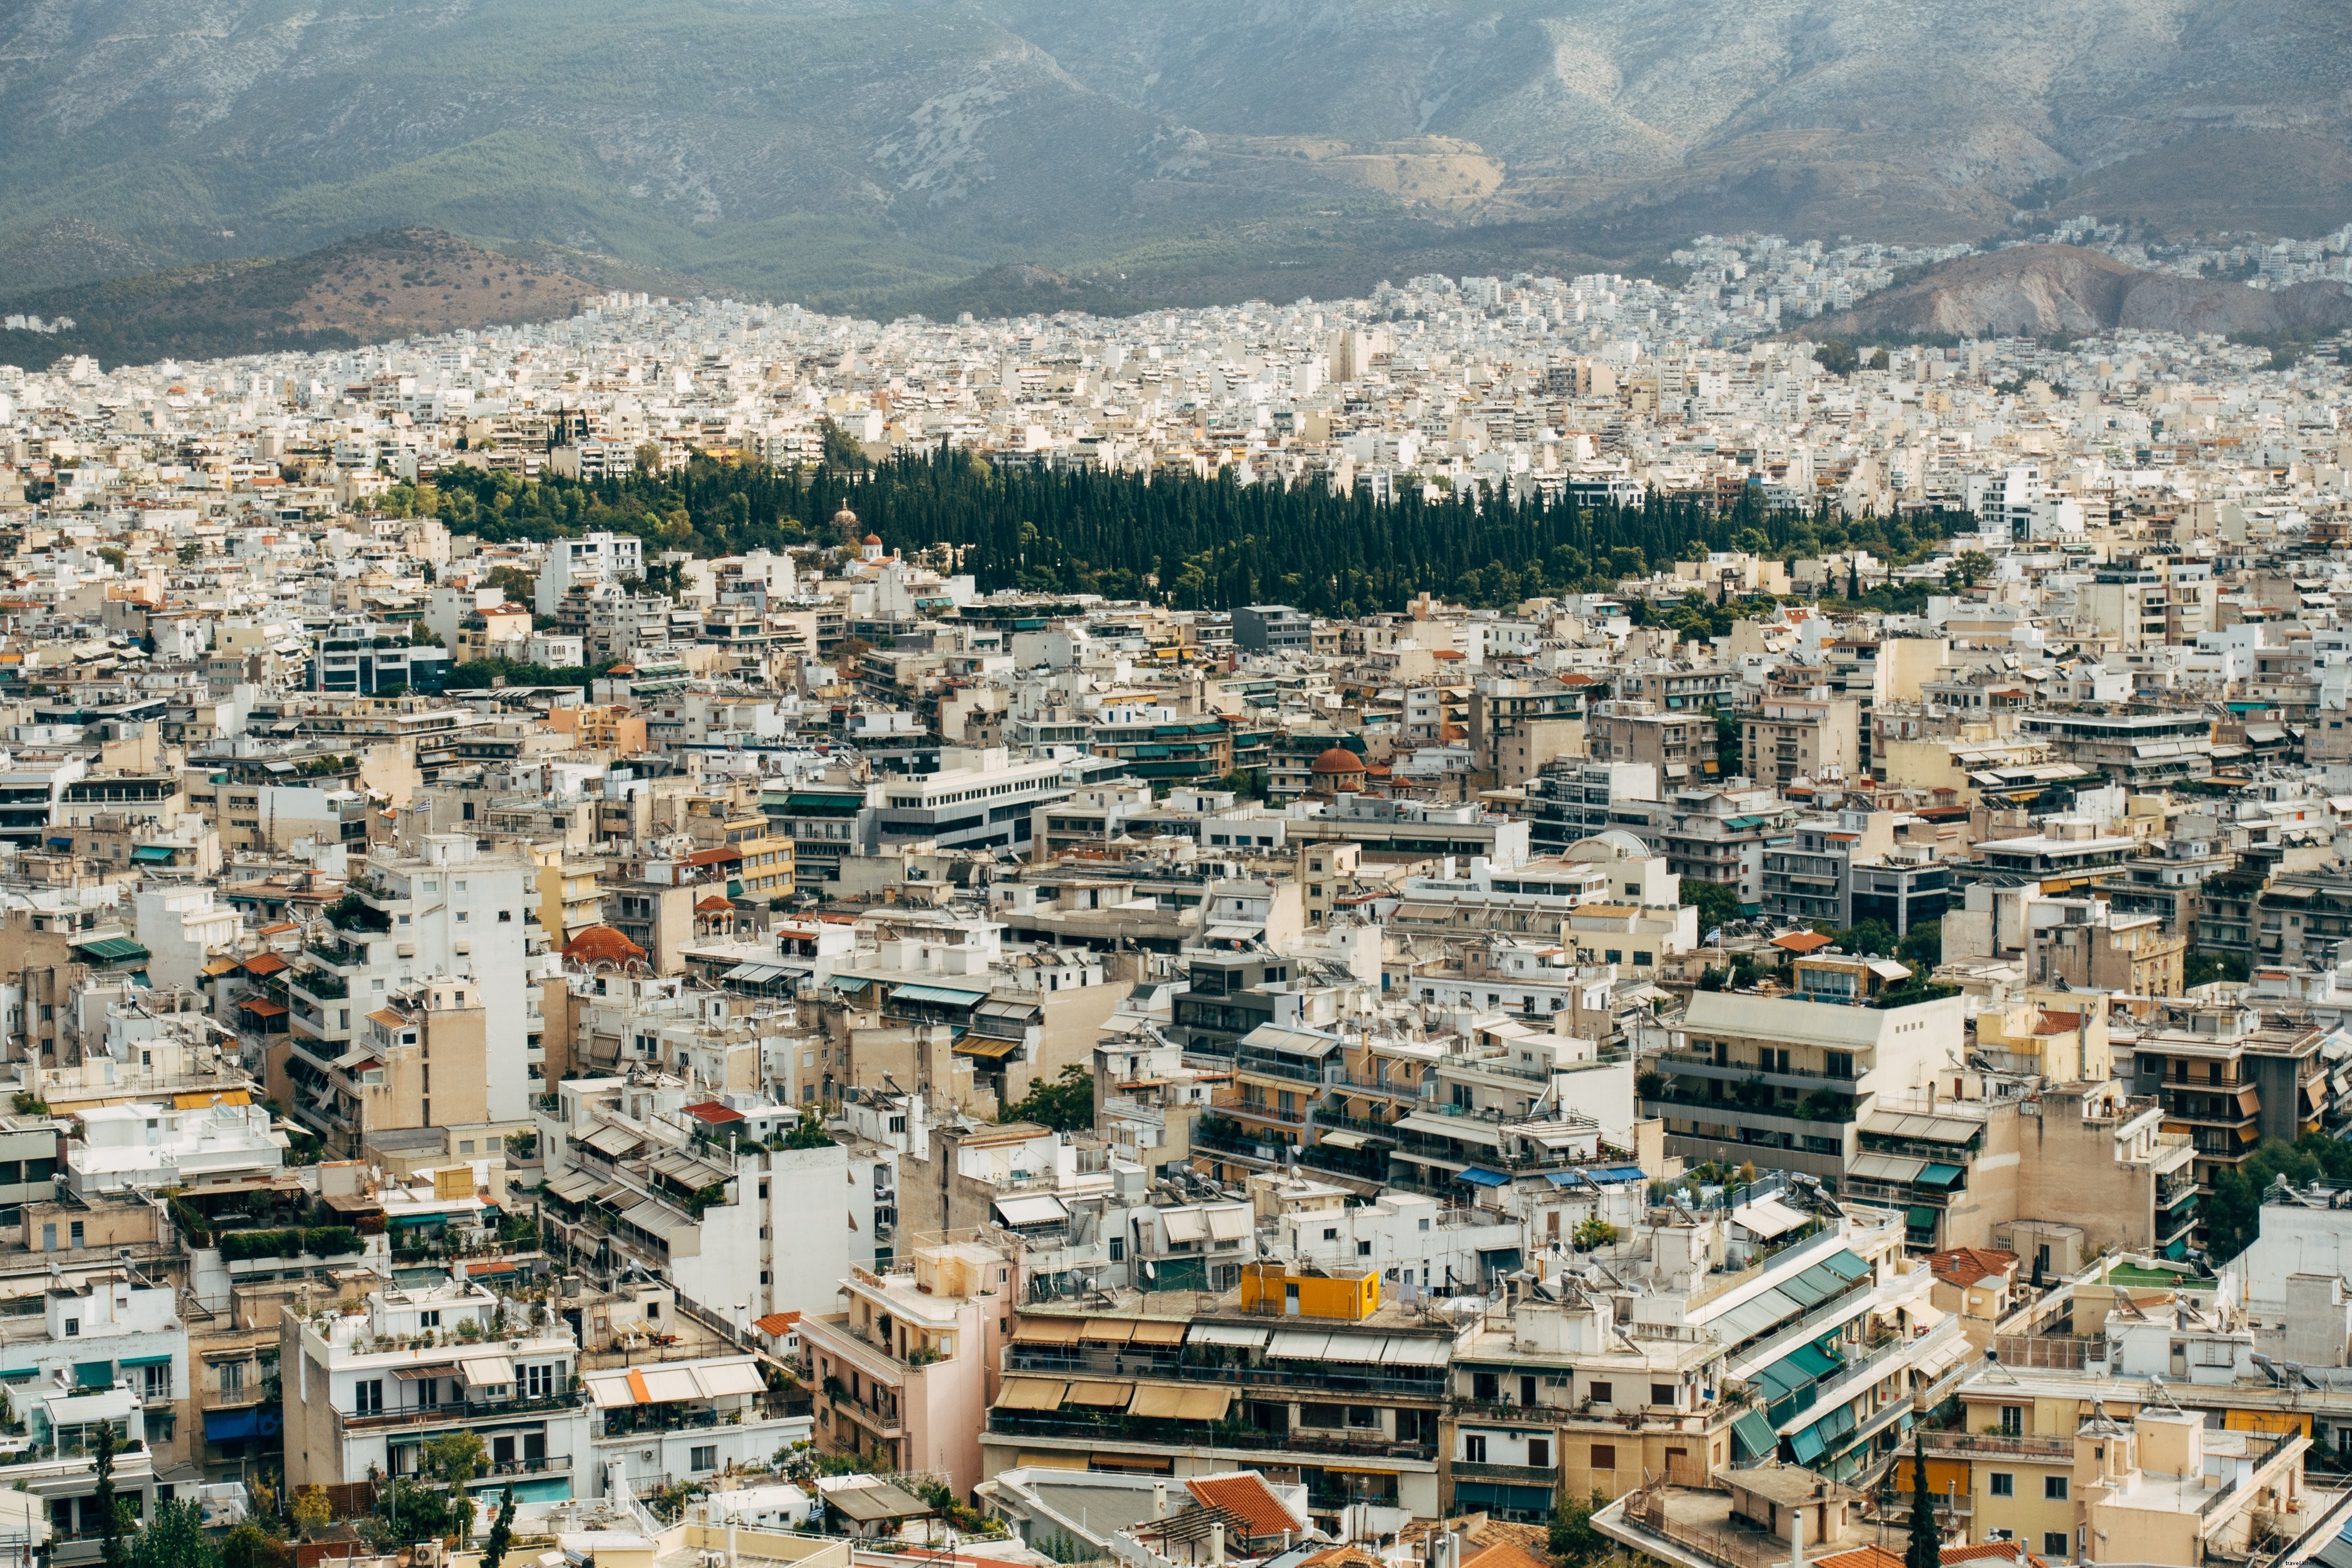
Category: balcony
[1516,1475]
[1120,1430]
[464,1415]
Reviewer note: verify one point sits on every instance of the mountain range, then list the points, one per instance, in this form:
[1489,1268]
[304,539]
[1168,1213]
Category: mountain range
[881,153]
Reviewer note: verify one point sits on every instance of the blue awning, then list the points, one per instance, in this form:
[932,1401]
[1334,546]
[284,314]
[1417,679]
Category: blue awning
[1478,1178]
[232,1425]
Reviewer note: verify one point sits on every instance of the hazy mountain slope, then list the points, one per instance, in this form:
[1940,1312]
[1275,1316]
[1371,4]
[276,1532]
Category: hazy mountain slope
[2032,289]
[393,284]
[876,150]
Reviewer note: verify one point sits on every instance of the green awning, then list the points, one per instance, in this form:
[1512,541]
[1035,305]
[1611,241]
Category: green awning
[1920,1218]
[145,1361]
[1811,1287]
[1846,1266]
[1780,1380]
[1816,1363]
[93,1375]
[152,854]
[2177,1247]
[1938,1178]
[942,994]
[19,1374]
[1806,1446]
[111,949]
[1752,1435]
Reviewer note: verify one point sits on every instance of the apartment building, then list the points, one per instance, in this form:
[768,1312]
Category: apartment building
[1784,1080]
[1679,746]
[367,1386]
[2229,1078]
[1783,739]
[1308,1377]
[908,1370]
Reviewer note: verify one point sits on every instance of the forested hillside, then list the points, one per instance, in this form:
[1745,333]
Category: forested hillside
[1200,543]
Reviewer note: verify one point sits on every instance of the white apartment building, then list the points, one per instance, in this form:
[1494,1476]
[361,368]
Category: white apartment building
[592,558]
[445,911]
[367,1386]
[979,799]
[151,1145]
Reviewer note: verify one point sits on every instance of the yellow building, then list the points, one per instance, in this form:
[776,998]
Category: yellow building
[1303,1291]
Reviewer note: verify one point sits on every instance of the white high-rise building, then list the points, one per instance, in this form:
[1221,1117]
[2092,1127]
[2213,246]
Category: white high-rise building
[445,909]
[592,558]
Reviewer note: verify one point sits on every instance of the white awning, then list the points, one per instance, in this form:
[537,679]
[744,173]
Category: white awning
[488,1372]
[1895,1168]
[722,1379]
[611,1392]
[1184,1224]
[1355,1348]
[1767,1217]
[1427,1350]
[1343,1139]
[1230,1222]
[669,1384]
[1239,1334]
[1039,1208]
[1293,1344]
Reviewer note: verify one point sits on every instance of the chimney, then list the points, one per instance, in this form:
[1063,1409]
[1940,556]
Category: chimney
[1796,1537]
[1217,1545]
[1160,1500]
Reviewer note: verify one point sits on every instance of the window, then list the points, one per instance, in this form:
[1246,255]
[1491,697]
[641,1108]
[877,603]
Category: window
[428,1319]
[1118,1249]
[1662,1394]
[231,1379]
[367,1398]
[506,917]
[74,1232]
[2012,1420]
[1604,1455]
[2053,1489]
[1425,1225]
[2053,1543]
[1540,1453]
[1331,1233]
[73,1328]
[2002,1484]
[538,1381]
[1600,1392]
[157,1384]
[1363,1249]
[1474,1447]
[704,1457]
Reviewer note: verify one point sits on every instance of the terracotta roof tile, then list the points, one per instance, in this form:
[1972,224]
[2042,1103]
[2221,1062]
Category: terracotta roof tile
[1248,1498]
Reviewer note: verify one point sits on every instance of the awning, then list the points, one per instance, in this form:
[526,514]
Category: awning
[1107,1330]
[1940,1178]
[940,993]
[1105,1395]
[1184,1224]
[1230,1222]
[1239,1335]
[152,854]
[1752,1435]
[1207,1403]
[725,1379]
[1048,1332]
[1031,1394]
[669,1384]
[1159,1401]
[1343,1139]
[1293,1344]
[93,1375]
[425,1373]
[611,1392]
[1158,1332]
[1355,1348]
[1920,1216]
[232,1425]
[262,1007]
[1481,1178]
[111,949]
[1038,1208]
[1846,1266]
[163,1360]
[983,1045]
[488,1372]
[1420,1350]
[1767,1217]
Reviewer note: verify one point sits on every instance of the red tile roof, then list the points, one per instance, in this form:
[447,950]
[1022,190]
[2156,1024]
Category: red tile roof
[1967,1265]
[264,964]
[777,1322]
[1249,1500]
[711,1110]
[1802,942]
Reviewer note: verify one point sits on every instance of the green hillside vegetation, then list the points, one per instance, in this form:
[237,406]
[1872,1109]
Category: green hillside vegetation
[1196,543]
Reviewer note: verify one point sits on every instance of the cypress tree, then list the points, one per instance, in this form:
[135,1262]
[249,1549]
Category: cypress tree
[1926,1547]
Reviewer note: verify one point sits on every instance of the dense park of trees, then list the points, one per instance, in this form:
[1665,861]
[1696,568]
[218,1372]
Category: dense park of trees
[1194,542]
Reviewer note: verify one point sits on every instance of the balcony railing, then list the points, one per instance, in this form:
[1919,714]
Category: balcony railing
[461,1415]
[1195,1364]
[1118,1430]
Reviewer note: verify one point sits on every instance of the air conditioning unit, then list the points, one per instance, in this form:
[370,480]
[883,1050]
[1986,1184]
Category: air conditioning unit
[464,949]
[406,949]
